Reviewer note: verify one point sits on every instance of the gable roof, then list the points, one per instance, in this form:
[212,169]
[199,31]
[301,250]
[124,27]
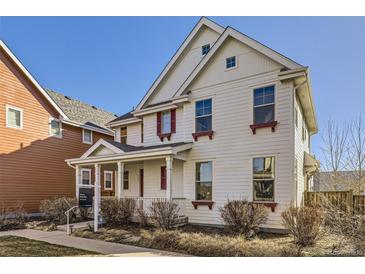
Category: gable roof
[32,79]
[125,116]
[230,32]
[202,22]
[82,113]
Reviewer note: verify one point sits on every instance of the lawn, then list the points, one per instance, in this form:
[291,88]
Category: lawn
[199,241]
[12,246]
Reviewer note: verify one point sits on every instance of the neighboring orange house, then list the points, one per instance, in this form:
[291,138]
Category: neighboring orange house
[39,129]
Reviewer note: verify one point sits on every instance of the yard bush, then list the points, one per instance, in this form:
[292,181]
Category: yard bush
[117,211]
[142,217]
[164,214]
[304,223]
[243,217]
[12,217]
[54,209]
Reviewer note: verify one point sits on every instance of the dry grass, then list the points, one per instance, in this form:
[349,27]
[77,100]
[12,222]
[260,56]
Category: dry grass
[12,246]
[203,241]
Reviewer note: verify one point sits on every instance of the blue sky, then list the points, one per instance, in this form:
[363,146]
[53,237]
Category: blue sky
[110,62]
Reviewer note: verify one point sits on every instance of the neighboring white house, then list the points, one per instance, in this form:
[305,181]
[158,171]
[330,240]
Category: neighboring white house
[227,118]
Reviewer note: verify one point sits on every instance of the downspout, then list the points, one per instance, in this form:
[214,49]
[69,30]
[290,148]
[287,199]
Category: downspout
[70,165]
[296,179]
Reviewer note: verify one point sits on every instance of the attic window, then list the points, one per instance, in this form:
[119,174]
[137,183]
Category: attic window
[68,97]
[231,62]
[205,49]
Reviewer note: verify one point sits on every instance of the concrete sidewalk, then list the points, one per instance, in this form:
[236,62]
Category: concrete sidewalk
[107,248]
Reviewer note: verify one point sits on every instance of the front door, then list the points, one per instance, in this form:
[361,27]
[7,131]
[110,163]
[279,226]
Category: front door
[141,182]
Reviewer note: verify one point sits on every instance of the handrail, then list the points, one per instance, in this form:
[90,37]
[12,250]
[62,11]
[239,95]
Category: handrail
[68,231]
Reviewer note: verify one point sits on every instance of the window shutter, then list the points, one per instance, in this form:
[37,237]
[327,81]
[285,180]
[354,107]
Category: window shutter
[173,121]
[158,123]
[163,177]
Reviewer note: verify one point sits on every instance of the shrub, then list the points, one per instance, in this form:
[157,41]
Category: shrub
[142,217]
[243,217]
[164,214]
[304,223]
[117,211]
[12,217]
[55,208]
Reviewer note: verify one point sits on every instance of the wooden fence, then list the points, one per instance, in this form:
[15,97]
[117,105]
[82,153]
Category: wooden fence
[345,199]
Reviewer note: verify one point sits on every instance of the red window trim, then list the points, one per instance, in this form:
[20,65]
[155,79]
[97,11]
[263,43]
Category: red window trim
[264,125]
[271,205]
[163,177]
[159,125]
[202,202]
[165,135]
[209,133]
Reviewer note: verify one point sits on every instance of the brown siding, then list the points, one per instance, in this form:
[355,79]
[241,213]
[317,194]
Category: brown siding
[32,164]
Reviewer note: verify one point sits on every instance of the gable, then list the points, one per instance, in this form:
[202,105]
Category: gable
[191,56]
[249,62]
[102,151]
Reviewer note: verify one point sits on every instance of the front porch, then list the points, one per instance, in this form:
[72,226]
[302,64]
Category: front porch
[146,174]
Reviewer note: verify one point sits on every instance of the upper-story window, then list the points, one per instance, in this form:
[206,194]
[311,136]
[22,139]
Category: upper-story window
[263,178]
[231,62]
[166,122]
[205,49]
[123,135]
[203,115]
[87,136]
[142,134]
[264,105]
[14,117]
[55,127]
[304,132]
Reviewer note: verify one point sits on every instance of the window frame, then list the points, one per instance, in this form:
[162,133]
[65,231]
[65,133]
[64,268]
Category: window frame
[253,179]
[235,63]
[263,105]
[206,115]
[7,107]
[124,136]
[165,112]
[51,119]
[111,180]
[124,179]
[196,181]
[83,136]
[203,48]
[88,170]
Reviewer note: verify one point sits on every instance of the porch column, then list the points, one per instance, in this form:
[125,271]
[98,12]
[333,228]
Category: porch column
[78,180]
[120,179]
[97,197]
[169,162]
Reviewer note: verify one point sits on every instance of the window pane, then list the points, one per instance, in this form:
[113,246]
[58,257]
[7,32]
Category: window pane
[126,180]
[264,96]
[55,128]
[264,190]
[264,114]
[204,171]
[231,62]
[85,177]
[204,124]
[123,131]
[14,117]
[204,191]
[263,168]
[205,49]
[87,136]
[166,122]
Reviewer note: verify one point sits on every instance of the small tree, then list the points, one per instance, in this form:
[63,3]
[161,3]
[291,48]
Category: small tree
[165,214]
[243,217]
[304,223]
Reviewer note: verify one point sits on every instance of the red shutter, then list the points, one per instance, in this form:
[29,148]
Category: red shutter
[158,123]
[163,177]
[173,121]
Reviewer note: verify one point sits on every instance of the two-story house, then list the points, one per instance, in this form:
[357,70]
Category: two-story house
[227,118]
[39,129]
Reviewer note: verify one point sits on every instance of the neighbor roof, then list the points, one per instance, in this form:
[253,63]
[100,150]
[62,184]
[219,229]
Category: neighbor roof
[125,116]
[80,112]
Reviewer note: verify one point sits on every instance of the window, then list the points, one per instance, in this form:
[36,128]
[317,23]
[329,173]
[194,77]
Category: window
[123,135]
[108,180]
[87,136]
[142,125]
[231,62]
[304,132]
[203,114]
[205,49]
[264,105]
[163,177]
[14,117]
[204,181]
[296,117]
[86,176]
[126,180]
[263,178]
[55,127]
[166,122]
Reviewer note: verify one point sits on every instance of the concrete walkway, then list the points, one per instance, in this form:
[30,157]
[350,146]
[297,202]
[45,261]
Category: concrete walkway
[107,248]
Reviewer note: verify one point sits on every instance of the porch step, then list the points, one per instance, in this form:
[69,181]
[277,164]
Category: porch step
[75,225]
